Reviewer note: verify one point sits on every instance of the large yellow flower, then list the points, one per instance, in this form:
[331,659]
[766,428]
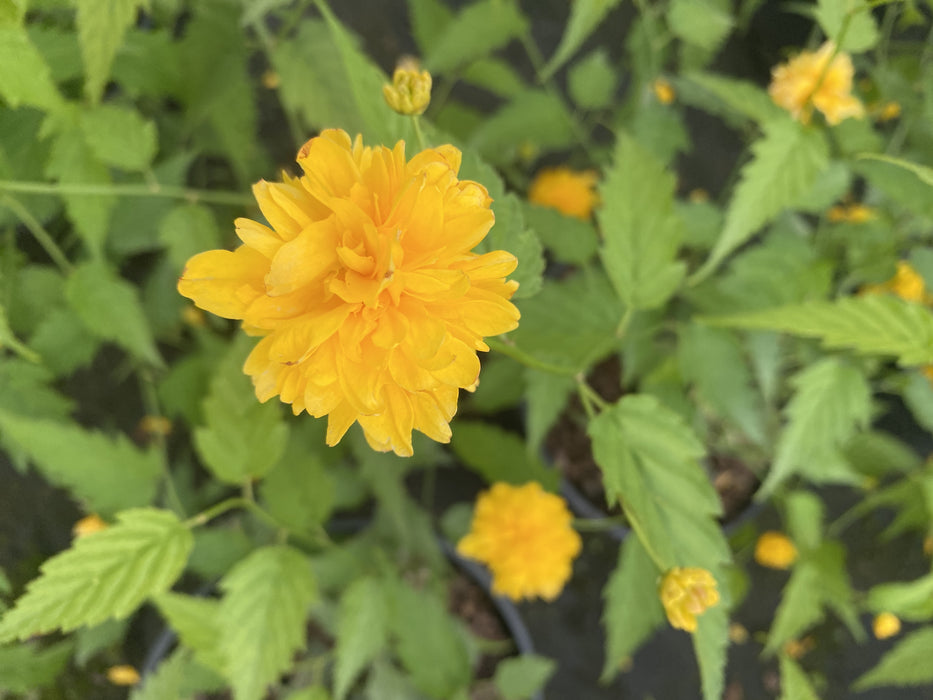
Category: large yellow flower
[810,80]
[524,535]
[571,192]
[364,287]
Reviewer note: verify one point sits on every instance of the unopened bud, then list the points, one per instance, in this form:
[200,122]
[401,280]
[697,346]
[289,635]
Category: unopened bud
[410,91]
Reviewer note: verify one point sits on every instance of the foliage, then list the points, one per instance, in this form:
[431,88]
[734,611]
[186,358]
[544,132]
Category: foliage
[765,305]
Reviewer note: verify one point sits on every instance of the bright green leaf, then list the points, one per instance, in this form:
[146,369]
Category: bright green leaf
[911,600]
[794,682]
[534,117]
[119,136]
[298,491]
[107,574]
[702,23]
[196,622]
[101,27]
[499,77]
[362,631]
[906,665]
[186,230]
[592,80]
[474,32]
[25,78]
[109,307]
[262,617]
[861,32]
[27,391]
[499,455]
[736,96]
[63,342]
[428,19]
[520,677]
[568,238]
[585,16]
[25,668]
[641,231]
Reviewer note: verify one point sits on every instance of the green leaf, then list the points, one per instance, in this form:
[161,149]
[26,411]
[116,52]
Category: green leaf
[713,361]
[585,16]
[546,397]
[499,77]
[362,631]
[90,641]
[520,677]
[861,32]
[27,391]
[179,677]
[632,610]
[911,600]
[567,237]
[477,30]
[119,136]
[737,97]
[832,400]
[196,621]
[906,665]
[107,474]
[592,80]
[262,617]
[499,455]
[298,491]
[428,19]
[241,438]
[501,385]
[701,23]
[430,645]
[107,574]
[794,682]
[918,395]
[186,230]
[804,512]
[650,463]
[25,78]
[25,668]
[101,27]
[921,171]
[9,340]
[63,342]
[786,162]
[534,117]
[876,324]
[641,230]
[109,307]
[711,644]
[217,549]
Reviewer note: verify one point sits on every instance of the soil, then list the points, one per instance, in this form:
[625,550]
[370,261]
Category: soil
[571,452]
[470,603]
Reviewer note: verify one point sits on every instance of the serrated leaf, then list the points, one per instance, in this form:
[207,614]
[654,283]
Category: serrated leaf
[499,455]
[650,463]
[186,230]
[585,16]
[878,324]
[241,438]
[107,574]
[166,681]
[63,342]
[906,665]
[499,77]
[119,136]
[196,621]
[632,610]
[804,513]
[786,161]
[110,309]
[701,23]
[794,682]
[262,617]
[9,340]
[832,400]
[861,32]
[592,80]
[641,231]
[568,238]
[101,27]
[25,78]
[27,391]
[362,631]
[546,397]
[107,474]
[430,645]
[737,96]
[911,600]
[477,30]
[924,173]
[299,491]
[25,668]
[520,677]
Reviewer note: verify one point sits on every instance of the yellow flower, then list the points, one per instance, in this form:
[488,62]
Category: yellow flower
[123,675]
[855,213]
[796,648]
[155,426]
[810,80]
[685,593]
[889,111]
[364,287]
[271,80]
[775,550]
[88,525]
[571,192]
[524,535]
[885,625]
[410,91]
[664,91]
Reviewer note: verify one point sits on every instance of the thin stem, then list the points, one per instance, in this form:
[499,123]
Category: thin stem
[598,524]
[229,504]
[419,134]
[624,322]
[38,232]
[510,350]
[128,190]
[268,45]
[215,510]
[151,403]
[589,395]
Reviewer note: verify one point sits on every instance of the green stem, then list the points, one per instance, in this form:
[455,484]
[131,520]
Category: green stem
[598,524]
[128,190]
[624,322]
[419,134]
[38,231]
[268,45]
[215,510]
[510,350]
[229,504]
[151,404]
[590,399]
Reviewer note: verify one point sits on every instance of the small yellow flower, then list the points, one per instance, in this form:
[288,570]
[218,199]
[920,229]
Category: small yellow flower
[271,80]
[664,91]
[775,550]
[155,425]
[123,675]
[737,633]
[816,79]
[365,289]
[410,91]
[886,625]
[571,192]
[524,535]
[907,283]
[193,316]
[698,196]
[928,541]
[796,648]
[889,111]
[855,213]
[685,593]
[88,525]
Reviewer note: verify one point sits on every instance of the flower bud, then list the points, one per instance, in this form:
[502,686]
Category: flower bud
[410,91]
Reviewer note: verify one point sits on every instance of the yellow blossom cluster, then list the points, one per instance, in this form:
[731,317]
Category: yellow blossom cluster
[370,304]
[820,79]
[685,593]
[524,535]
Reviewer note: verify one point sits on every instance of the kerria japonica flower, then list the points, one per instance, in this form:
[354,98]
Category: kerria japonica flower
[816,79]
[525,536]
[571,192]
[364,288]
[685,593]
